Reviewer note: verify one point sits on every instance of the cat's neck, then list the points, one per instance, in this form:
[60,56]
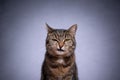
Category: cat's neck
[58,61]
[58,56]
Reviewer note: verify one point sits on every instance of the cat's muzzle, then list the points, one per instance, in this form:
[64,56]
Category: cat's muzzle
[60,50]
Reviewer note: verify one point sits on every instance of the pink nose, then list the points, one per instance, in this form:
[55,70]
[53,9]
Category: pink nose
[61,44]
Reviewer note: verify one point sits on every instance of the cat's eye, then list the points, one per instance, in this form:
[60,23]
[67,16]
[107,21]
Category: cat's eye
[54,39]
[67,39]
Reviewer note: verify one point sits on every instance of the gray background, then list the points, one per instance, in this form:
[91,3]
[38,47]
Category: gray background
[23,33]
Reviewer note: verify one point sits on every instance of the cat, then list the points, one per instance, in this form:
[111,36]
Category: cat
[59,62]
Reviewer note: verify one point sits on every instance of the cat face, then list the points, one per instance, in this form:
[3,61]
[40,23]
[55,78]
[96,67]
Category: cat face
[60,41]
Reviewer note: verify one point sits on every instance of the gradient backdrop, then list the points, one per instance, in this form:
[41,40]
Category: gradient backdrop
[23,33]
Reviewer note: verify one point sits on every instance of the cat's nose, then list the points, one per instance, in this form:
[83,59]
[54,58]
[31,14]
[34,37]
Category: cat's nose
[61,44]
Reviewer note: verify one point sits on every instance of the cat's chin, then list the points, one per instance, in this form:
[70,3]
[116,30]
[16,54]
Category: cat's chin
[60,52]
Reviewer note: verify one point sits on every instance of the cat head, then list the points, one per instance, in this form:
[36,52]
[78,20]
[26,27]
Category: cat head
[61,41]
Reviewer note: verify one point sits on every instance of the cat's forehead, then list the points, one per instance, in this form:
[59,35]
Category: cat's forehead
[59,30]
[59,33]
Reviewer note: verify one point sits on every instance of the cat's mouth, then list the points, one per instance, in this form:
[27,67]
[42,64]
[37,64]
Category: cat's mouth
[60,50]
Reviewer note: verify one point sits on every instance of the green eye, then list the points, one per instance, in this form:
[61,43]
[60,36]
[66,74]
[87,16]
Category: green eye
[54,39]
[67,39]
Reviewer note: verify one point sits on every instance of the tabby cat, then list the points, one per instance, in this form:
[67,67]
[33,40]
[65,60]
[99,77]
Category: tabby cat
[59,62]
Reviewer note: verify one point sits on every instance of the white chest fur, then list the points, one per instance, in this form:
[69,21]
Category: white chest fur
[61,61]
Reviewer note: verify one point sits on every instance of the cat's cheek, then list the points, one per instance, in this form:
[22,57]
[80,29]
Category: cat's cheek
[68,43]
[51,51]
[65,48]
[56,46]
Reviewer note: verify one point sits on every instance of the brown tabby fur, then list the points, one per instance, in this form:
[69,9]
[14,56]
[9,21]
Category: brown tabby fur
[59,62]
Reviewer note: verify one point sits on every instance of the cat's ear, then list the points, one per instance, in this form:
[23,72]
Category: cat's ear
[72,29]
[49,29]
